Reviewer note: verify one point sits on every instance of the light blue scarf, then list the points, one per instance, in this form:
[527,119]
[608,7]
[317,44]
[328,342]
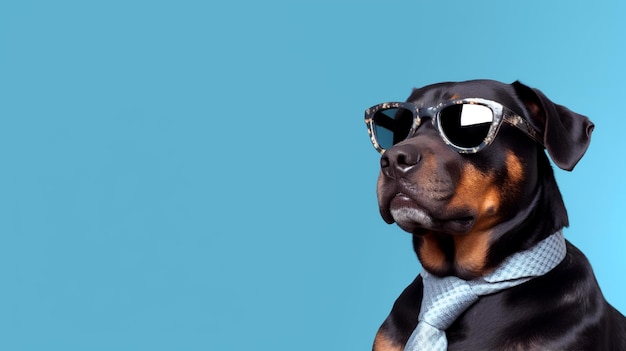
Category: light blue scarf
[444,299]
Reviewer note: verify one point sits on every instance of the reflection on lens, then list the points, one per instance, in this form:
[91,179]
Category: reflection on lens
[466,125]
[391,126]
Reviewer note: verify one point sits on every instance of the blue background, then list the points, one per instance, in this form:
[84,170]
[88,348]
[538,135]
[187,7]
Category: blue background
[193,175]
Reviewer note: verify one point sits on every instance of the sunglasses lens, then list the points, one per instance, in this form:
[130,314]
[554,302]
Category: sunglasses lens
[466,125]
[391,126]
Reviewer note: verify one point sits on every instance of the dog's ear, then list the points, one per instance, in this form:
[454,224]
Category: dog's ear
[566,134]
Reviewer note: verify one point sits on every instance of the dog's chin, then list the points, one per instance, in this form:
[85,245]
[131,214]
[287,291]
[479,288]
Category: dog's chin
[412,218]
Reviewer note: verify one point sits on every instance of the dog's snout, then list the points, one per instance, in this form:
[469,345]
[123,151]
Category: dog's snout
[399,159]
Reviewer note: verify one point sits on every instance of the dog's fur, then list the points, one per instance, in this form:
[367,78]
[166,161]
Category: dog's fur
[468,212]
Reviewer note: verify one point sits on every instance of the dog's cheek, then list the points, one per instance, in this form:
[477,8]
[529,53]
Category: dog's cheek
[489,210]
[474,192]
[489,193]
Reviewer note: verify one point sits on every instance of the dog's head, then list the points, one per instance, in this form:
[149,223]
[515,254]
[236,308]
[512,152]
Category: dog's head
[469,210]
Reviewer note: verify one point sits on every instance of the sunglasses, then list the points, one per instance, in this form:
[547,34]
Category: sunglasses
[467,125]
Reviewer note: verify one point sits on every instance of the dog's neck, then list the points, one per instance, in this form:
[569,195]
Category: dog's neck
[445,299]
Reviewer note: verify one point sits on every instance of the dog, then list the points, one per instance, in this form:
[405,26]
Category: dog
[465,171]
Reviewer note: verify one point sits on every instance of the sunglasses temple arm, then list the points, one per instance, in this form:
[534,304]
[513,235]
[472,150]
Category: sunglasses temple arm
[521,124]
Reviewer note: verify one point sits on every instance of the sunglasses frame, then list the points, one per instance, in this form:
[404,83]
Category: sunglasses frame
[500,114]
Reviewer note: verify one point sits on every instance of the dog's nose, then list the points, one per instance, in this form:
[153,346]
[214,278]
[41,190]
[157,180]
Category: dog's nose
[399,159]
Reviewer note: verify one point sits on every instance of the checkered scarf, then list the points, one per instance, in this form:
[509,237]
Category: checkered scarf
[444,299]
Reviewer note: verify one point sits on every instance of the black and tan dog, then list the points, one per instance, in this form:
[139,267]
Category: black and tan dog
[471,201]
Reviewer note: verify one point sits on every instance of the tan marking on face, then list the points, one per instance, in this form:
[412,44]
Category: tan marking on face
[476,191]
[515,169]
[489,208]
[430,254]
[471,189]
[455,96]
[382,343]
